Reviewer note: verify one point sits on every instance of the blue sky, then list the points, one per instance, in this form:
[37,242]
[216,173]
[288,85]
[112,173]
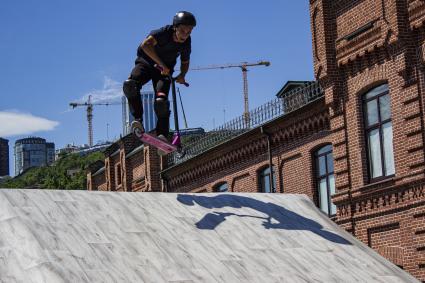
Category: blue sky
[55,52]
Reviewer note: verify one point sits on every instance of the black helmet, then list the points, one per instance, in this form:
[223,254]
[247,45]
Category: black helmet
[184,18]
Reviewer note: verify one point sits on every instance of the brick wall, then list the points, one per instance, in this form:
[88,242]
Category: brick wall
[359,45]
[99,182]
[239,162]
[126,170]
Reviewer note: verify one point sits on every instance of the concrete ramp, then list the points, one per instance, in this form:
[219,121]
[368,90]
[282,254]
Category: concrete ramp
[81,236]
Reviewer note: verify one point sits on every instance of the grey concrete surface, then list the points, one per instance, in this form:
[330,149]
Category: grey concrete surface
[81,236]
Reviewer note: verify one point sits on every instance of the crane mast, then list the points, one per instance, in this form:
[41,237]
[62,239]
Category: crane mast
[89,110]
[90,121]
[245,95]
[244,67]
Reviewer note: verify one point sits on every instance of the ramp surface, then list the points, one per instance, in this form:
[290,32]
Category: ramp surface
[81,236]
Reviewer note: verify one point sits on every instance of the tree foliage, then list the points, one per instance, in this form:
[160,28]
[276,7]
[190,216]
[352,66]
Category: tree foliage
[67,173]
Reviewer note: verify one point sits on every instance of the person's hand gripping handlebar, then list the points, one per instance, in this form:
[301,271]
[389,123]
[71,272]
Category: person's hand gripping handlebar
[165,73]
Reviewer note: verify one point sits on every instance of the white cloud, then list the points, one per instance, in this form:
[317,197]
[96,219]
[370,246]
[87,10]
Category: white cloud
[112,91]
[13,123]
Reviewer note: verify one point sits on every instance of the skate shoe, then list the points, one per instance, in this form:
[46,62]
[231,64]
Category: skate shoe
[137,128]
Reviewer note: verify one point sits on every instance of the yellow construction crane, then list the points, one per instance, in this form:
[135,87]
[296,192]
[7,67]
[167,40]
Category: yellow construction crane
[244,67]
[90,105]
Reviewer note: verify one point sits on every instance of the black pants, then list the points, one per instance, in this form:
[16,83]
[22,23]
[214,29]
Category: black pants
[142,73]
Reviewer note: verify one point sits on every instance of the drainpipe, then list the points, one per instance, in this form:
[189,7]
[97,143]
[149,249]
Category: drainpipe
[269,149]
[164,180]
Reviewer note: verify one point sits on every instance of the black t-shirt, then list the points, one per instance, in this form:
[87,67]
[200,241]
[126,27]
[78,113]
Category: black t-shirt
[167,49]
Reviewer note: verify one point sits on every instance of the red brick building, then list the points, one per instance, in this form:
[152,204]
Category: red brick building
[356,146]
[4,157]
[368,57]
[129,166]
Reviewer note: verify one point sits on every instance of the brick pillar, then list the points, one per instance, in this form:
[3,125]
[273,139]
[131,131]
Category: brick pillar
[89,182]
[109,174]
[153,168]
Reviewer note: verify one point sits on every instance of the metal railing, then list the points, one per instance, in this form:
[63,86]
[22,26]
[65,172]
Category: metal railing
[289,102]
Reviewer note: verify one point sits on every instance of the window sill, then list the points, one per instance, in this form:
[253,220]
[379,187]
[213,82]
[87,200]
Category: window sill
[378,184]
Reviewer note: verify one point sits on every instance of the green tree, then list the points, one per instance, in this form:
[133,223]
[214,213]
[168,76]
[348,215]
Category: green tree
[67,173]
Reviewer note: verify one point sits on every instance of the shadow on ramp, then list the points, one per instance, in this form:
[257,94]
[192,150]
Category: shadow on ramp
[285,218]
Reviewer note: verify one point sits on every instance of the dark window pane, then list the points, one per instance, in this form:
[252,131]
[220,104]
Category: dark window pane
[372,112]
[222,188]
[387,130]
[322,166]
[330,161]
[375,157]
[385,107]
[266,184]
[332,191]
[325,149]
[265,180]
[323,195]
[376,91]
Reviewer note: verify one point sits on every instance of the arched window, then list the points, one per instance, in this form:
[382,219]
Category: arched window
[325,179]
[264,180]
[379,133]
[221,188]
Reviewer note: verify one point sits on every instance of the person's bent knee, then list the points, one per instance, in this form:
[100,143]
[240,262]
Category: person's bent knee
[131,88]
[162,106]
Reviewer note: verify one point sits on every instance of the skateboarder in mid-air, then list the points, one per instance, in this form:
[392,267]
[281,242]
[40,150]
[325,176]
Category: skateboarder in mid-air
[156,58]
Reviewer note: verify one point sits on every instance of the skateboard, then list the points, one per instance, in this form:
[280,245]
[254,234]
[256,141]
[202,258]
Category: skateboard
[156,142]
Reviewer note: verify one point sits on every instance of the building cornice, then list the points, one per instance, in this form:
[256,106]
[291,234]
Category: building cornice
[250,144]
